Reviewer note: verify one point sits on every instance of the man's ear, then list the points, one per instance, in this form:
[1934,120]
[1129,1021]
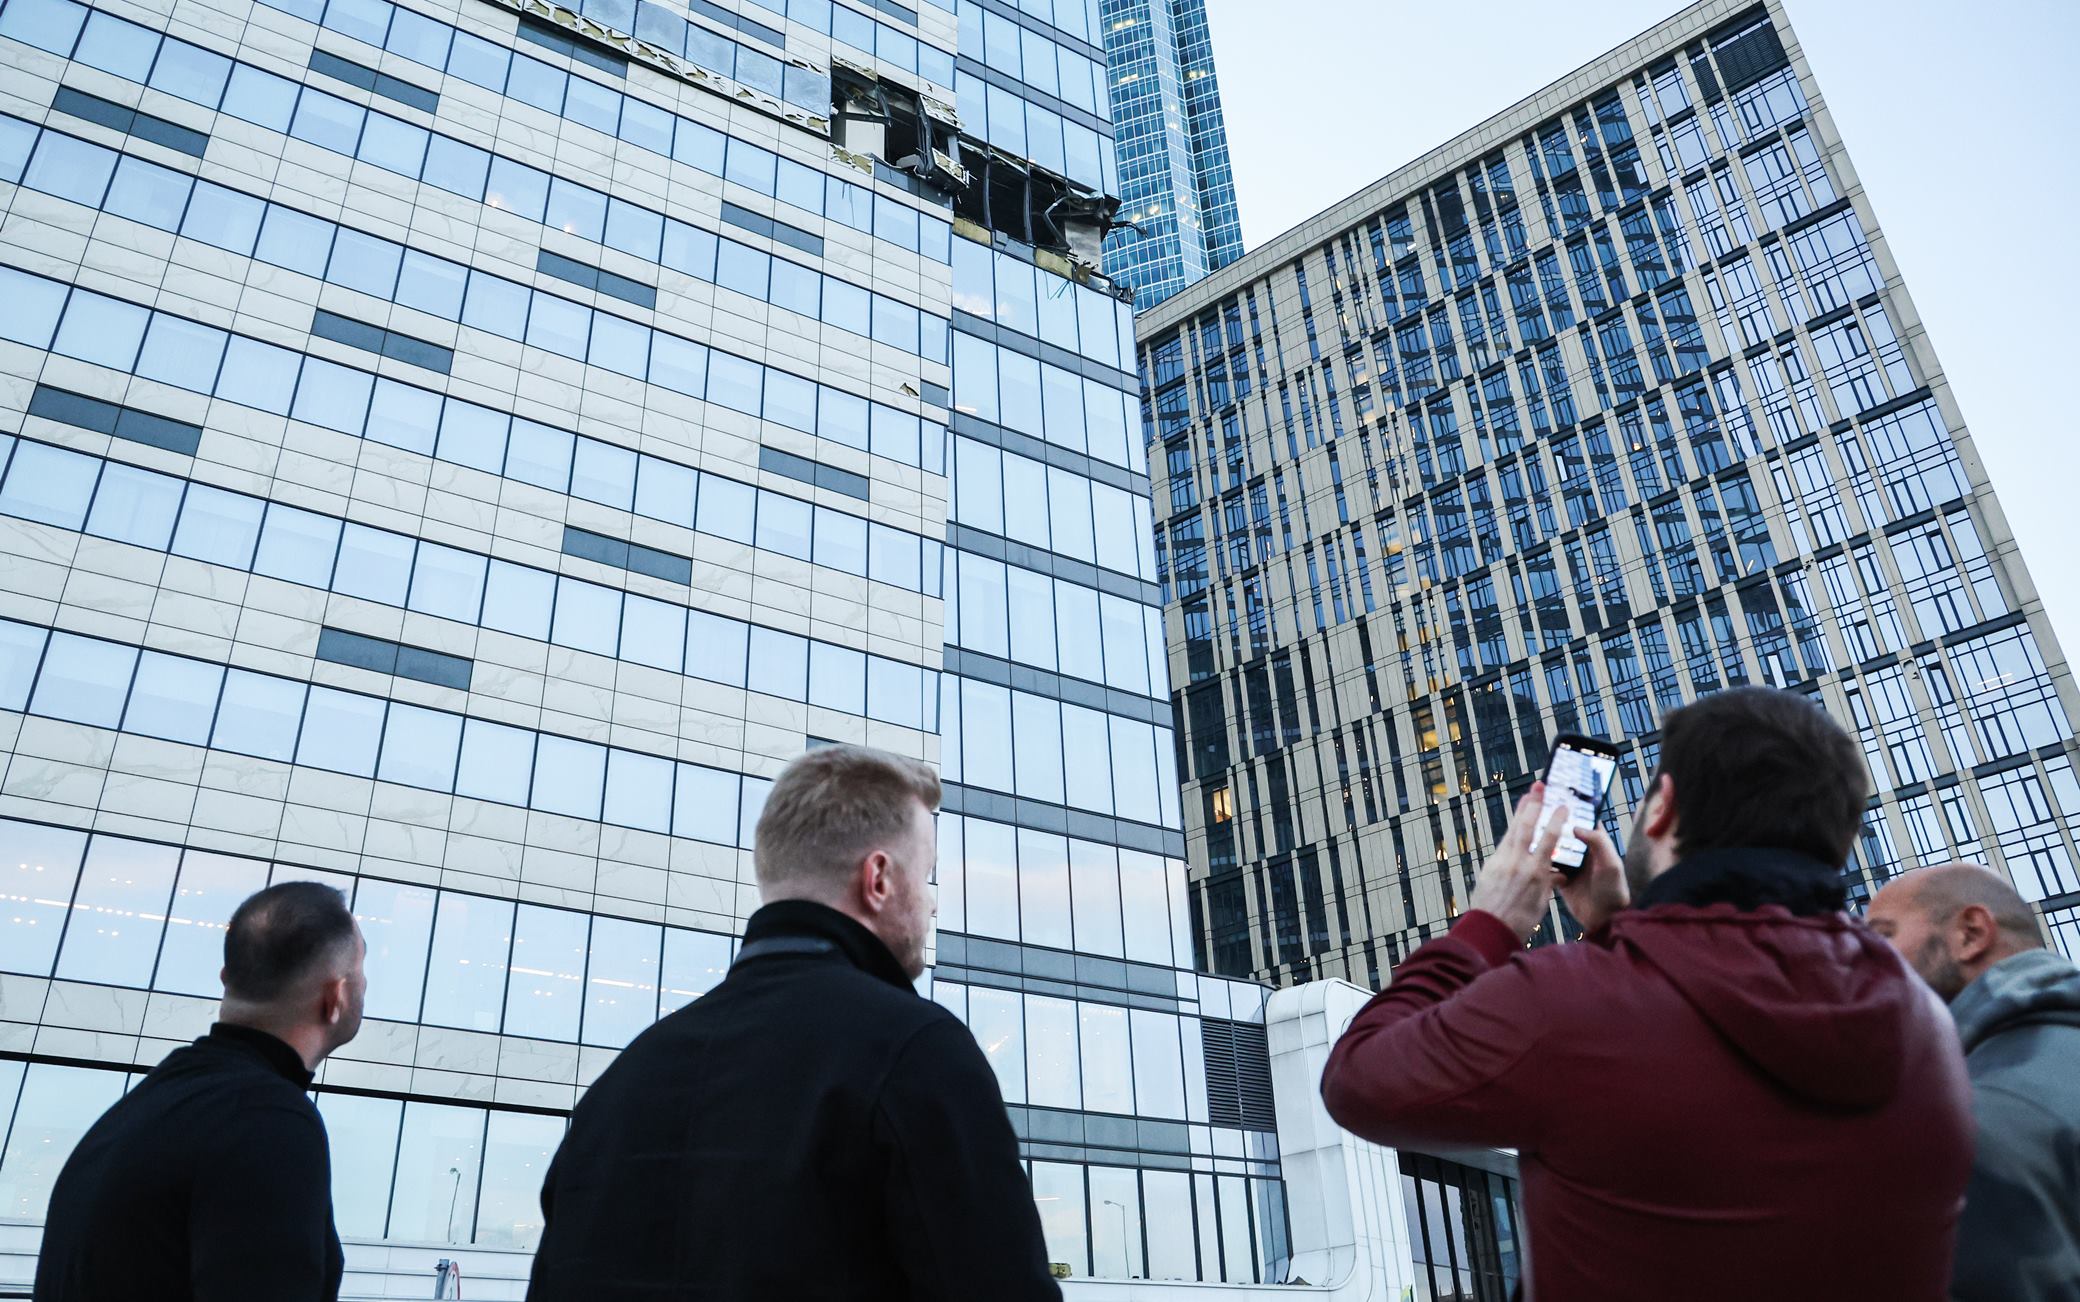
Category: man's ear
[1661,806]
[875,880]
[1972,932]
[332,1000]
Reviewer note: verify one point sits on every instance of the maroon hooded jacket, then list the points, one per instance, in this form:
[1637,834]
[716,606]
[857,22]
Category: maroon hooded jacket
[1708,1103]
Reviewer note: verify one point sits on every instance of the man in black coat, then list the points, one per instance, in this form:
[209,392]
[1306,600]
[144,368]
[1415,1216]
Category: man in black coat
[211,1180]
[811,1129]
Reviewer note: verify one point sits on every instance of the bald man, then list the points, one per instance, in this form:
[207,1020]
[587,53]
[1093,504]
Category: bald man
[2017,1007]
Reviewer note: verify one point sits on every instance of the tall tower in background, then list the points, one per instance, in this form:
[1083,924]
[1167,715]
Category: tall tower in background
[1615,400]
[1177,190]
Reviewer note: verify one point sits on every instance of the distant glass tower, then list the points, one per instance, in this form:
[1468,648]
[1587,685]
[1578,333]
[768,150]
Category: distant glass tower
[1177,191]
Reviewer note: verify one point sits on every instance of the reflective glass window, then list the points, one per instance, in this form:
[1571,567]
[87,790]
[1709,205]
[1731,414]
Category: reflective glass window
[517,600]
[21,648]
[545,984]
[588,617]
[33,307]
[439,1155]
[148,193]
[182,353]
[112,45]
[332,396]
[70,169]
[704,804]
[119,912]
[173,698]
[992,878]
[997,1019]
[1054,1078]
[639,791]
[621,981]
[404,416]
[211,886]
[419,747]
[653,633]
[1058,1192]
[397,922]
[716,647]
[362,1136]
[1094,892]
[258,375]
[374,564]
[1108,1071]
[56,1106]
[99,329]
[341,732]
[38,869]
[518,1147]
[694,963]
[784,525]
[466,976]
[84,679]
[1146,899]
[298,546]
[1116,1222]
[779,664]
[217,527]
[837,678]
[49,485]
[258,715]
[1086,736]
[497,763]
[540,454]
[568,776]
[445,582]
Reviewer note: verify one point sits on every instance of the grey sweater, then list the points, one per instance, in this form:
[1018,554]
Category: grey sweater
[2020,1237]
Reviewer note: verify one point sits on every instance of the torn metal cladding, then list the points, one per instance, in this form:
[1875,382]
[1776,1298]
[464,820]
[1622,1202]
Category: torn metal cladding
[635,47]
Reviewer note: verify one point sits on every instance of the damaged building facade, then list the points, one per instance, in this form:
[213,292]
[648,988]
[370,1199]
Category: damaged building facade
[1615,400]
[461,450]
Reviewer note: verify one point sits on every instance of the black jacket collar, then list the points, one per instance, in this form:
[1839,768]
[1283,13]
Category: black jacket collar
[262,1048]
[1749,879]
[862,948]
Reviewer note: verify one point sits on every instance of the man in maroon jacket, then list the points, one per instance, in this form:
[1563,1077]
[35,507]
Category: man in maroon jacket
[1729,1088]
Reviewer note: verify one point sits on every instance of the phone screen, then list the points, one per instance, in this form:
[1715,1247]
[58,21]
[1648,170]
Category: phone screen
[1577,780]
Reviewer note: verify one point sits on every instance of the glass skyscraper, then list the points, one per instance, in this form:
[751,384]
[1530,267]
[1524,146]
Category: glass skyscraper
[1616,401]
[461,450]
[1176,188]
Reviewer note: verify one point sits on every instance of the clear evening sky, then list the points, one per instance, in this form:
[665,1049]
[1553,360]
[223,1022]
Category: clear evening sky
[1960,119]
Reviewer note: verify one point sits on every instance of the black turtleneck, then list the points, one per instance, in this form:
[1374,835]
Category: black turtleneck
[808,920]
[209,1180]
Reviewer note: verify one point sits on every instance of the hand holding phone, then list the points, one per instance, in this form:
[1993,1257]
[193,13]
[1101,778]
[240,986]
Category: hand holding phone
[1577,782]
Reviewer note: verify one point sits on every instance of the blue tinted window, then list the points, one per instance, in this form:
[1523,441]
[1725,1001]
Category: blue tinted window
[374,564]
[395,146]
[365,263]
[653,633]
[260,98]
[174,698]
[194,74]
[750,166]
[49,485]
[577,210]
[294,240]
[341,732]
[678,364]
[432,285]
[298,546]
[588,617]
[639,791]
[419,747]
[217,527]
[742,268]
[689,249]
[258,375]
[258,715]
[545,991]
[496,305]
[558,325]
[517,600]
[734,382]
[604,473]
[590,104]
[403,416]
[779,664]
[568,776]
[84,679]
[473,436]
[477,60]
[456,167]
[540,455]
[148,193]
[517,189]
[51,25]
[704,805]
[665,491]
[533,82]
[112,45]
[101,330]
[726,508]
[332,396]
[223,217]
[698,146]
[419,39]
[182,352]
[497,762]
[447,582]
[135,506]
[634,230]
[646,125]
[327,121]
[715,648]
[21,647]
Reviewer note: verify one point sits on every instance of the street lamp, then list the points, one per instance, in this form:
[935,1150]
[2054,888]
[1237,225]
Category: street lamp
[453,1193]
[1126,1258]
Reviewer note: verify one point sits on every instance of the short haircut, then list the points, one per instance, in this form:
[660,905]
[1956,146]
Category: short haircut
[834,805]
[1946,890]
[281,935]
[1766,769]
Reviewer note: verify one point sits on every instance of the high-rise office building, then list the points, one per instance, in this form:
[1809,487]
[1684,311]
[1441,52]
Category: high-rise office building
[460,450]
[1612,401]
[1176,188]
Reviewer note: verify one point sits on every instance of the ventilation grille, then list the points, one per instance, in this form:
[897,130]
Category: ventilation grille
[1749,58]
[1238,1074]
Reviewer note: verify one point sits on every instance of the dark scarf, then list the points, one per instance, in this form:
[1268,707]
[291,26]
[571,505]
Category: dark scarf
[1748,879]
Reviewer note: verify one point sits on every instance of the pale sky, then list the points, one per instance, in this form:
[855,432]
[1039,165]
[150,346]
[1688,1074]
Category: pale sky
[1959,118]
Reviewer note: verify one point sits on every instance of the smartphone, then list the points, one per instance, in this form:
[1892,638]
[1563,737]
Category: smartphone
[1578,781]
